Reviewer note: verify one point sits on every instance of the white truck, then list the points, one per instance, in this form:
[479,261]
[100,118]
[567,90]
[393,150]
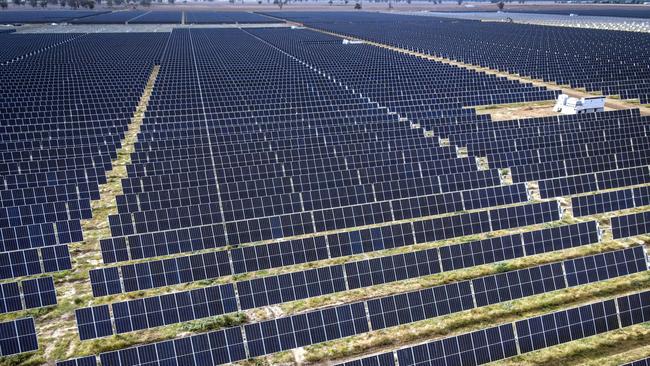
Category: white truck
[570,105]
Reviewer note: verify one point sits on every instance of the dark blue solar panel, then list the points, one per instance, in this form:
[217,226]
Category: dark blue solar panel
[566,325]
[18,336]
[81,361]
[474,348]
[94,322]
[39,292]
[10,297]
[630,225]
[600,267]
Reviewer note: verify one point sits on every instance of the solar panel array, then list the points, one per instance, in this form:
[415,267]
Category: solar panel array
[226,17]
[516,48]
[523,336]
[33,293]
[116,17]
[223,346]
[44,16]
[610,11]
[58,141]
[158,17]
[17,336]
[274,147]
[197,267]
[393,310]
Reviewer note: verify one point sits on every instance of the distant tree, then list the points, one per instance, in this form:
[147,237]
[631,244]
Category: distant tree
[33,3]
[90,4]
[357,6]
[4,4]
[460,2]
[16,2]
[62,3]
[145,2]
[171,1]
[500,5]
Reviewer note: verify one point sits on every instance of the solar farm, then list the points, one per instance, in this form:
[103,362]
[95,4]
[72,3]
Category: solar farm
[182,186]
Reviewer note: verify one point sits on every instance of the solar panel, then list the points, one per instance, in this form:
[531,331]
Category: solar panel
[39,292]
[81,361]
[517,284]
[634,309]
[18,336]
[213,348]
[94,322]
[384,359]
[418,305]
[630,225]
[607,265]
[475,348]
[479,252]
[391,268]
[561,237]
[10,297]
[305,329]
[291,286]
[151,312]
[105,281]
[531,334]
[566,325]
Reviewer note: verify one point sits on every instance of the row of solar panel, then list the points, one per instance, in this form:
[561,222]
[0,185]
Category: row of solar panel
[62,143]
[197,267]
[334,179]
[610,201]
[234,212]
[501,146]
[145,313]
[39,195]
[228,345]
[563,152]
[40,235]
[523,336]
[563,168]
[206,237]
[261,192]
[29,155]
[36,293]
[31,262]
[45,213]
[193,119]
[481,123]
[592,182]
[412,136]
[565,127]
[292,165]
[631,225]
[414,33]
